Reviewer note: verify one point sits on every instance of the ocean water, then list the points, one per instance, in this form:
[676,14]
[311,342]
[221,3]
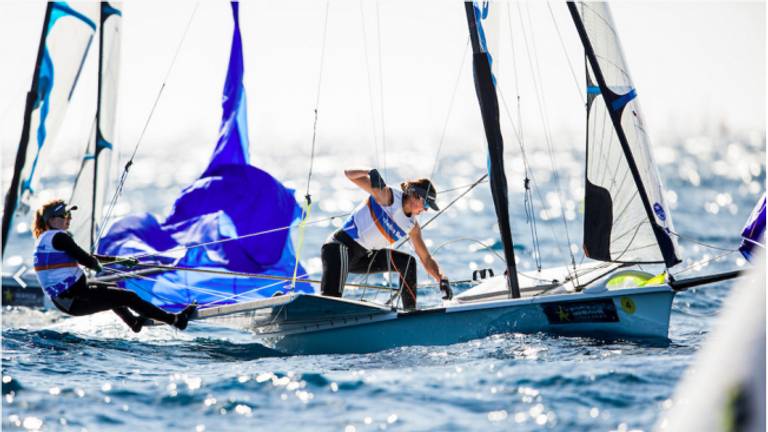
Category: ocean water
[92,373]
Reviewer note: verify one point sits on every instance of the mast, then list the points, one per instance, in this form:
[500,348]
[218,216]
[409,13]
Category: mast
[104,133]
[489,108]
[12,197]
[615,104]
[97,147]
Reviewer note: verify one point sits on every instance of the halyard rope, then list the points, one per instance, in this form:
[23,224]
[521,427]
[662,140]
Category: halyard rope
[307,208]
[124,175]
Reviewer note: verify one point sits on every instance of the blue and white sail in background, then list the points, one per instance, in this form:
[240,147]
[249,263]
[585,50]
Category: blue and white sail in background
[230,200]
[92,183]
[66,38]
[753,234]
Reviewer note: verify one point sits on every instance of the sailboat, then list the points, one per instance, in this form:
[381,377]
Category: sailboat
[67,37]
[627,222]
[261,288]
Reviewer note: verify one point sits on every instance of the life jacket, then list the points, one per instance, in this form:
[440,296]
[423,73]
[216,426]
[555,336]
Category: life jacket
[56,270]
[375,226]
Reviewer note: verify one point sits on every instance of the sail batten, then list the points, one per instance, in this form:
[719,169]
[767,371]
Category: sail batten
[625,209]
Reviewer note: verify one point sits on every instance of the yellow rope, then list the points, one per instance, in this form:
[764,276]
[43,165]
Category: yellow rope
[306,212]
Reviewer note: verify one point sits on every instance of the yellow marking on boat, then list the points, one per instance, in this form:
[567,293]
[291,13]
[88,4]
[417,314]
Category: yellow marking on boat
[659,279]
[628,305]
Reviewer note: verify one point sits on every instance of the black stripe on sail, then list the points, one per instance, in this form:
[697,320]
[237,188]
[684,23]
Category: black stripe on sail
[489,108]
[598,222]
[12,197]
[609,97]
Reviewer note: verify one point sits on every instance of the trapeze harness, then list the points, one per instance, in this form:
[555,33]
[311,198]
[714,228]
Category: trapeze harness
[361,246]
[57,260]
[56,269]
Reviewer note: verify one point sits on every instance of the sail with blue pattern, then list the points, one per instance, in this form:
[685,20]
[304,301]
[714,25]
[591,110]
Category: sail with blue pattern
[239,213]
[64,45]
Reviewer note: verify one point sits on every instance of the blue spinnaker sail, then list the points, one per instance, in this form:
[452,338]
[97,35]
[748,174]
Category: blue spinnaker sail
[241,213]
[753,233]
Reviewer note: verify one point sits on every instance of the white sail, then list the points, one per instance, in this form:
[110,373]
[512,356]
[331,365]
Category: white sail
[70,31]
[626,216]
[91,187]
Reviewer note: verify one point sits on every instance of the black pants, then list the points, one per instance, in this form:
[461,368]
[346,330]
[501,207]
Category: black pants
[90,300]
[343,256]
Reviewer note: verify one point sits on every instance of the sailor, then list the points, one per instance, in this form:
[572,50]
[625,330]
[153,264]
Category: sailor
[57,263]
[362,244]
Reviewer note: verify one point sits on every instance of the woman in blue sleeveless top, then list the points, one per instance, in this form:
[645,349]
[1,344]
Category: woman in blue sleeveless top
[362,245]
[57,263]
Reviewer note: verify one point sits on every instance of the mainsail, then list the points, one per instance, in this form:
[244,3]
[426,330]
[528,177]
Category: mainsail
[234,218]
[626,217]
[485,87]
[92,181]
[64,44]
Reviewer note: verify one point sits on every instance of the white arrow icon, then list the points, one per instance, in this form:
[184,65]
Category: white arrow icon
[19,273]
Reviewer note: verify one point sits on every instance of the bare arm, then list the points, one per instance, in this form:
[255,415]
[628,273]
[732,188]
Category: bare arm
[360,178]
[429,263]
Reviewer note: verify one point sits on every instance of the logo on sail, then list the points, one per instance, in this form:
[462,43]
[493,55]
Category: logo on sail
[659,210]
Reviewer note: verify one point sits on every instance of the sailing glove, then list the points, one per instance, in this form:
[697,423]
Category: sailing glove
[376,181]
[445,287]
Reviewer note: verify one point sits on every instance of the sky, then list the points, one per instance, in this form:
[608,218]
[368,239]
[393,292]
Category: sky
[392,76]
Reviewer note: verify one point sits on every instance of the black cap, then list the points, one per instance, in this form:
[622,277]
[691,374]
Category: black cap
[428,193]
[60,209]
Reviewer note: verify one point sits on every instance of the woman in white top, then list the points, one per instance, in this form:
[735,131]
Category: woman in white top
[362,245]
[57,263]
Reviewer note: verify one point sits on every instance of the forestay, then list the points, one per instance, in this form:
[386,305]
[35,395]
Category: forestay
[92,182]
[65,42]
[626,217]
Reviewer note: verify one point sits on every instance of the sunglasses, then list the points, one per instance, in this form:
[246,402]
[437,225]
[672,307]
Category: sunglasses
[67,215]
[424,203]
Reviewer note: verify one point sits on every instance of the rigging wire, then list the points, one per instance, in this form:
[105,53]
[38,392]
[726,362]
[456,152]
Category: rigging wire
[442,210]
[381,90]
[530,215]
[699,264]
[700,243]
[565,53]
[370,87]
[459,187]
[536,72]
[221,297]
[240,237]
[450,109]
[124,176]
[306,210]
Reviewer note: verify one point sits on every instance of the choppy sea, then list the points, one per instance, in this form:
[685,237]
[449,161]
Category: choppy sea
[92,373]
